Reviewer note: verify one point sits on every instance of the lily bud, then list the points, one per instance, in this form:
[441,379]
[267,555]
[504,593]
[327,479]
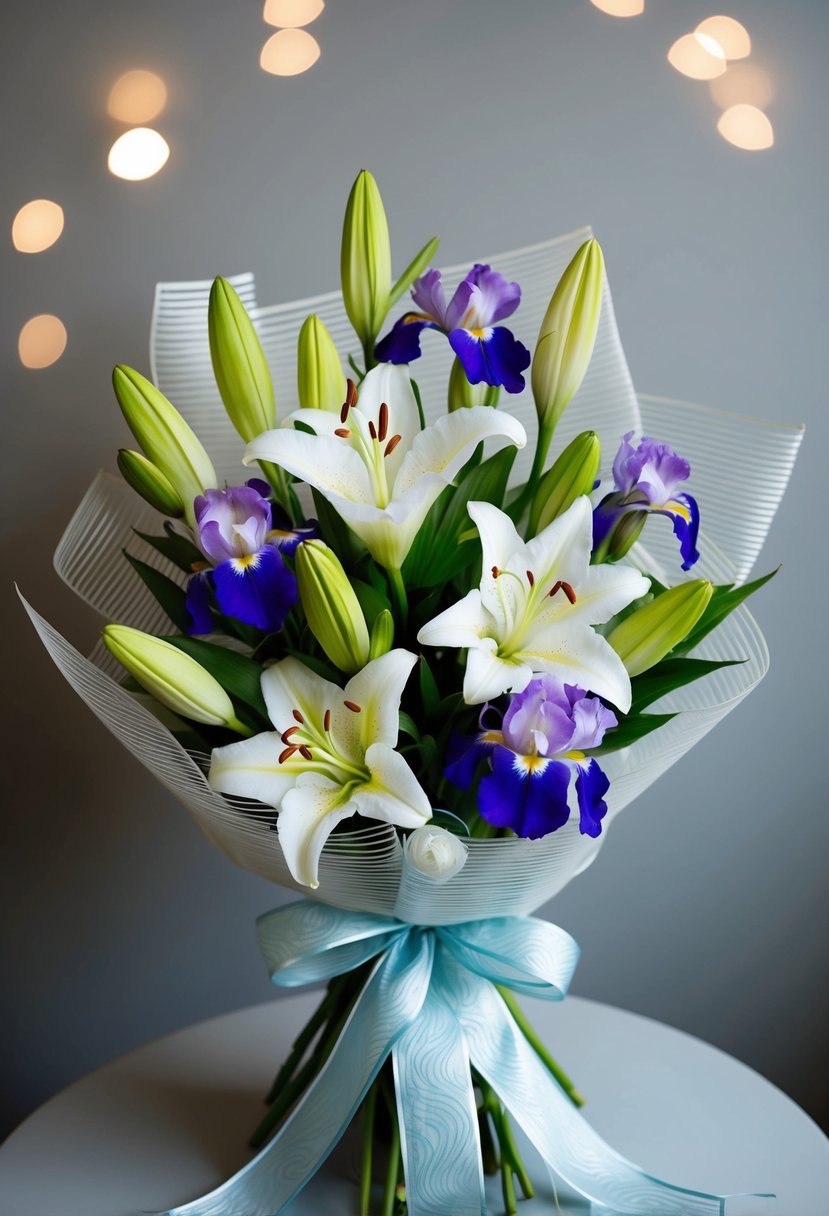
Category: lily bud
[435,853]
[568,334]
[149,482]
[331,607]
[573,474]
[647,635]
[320,378]
[172,677]
[165,438]
[365,259]
[382,634]
[239,364]
[461,394]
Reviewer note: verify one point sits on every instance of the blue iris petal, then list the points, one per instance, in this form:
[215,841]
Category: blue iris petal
[463,755]
[402,344]
[591,787]
[258,590]
[530,800]
[497,359]
[686,532]
[198,603]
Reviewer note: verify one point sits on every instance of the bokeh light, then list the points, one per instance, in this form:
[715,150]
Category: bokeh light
[289,52]
[729,34]
[620,8]
[697,55]
[37,225]
[746,127]
[138,154]
[137,96]
[42,341]
[290,14]
[743,82]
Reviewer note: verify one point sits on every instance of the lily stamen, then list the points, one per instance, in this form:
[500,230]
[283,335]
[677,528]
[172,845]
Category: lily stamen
[305,752]
[372,429]
[344,412]
[326,722]
[288,752]
[560,585]
[343,432]
[353,706]
[383,422]
[286,734]
[350,393]
[298,717]
[392,444]
[531,578]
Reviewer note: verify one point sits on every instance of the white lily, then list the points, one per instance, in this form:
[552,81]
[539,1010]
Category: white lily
[331,755]
[535,609]
[373,462]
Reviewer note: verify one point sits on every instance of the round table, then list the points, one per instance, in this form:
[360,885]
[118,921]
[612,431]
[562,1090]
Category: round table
[168,1121]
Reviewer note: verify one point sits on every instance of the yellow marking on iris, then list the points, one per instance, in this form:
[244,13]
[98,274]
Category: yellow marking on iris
[480,334]
[574,756]
[280,534]
[677,508]
[247,559]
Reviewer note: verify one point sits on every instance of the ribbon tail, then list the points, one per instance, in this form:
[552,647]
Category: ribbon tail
[438,1118]
[389,1003]
[571,1148]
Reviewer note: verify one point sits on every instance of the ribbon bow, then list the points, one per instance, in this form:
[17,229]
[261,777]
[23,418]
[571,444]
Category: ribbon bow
[431,1002]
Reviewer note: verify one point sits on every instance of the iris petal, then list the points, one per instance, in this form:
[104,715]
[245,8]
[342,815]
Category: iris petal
[402,344]
[198,603]
[528,797]
[259,590]
[497,359]
[591,787]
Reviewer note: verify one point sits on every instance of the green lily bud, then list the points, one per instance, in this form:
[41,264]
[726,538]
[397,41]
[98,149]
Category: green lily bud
[165,438]
[647,635]
[239,364]
[365,259]
[172,677]
[462,394]
[568,335]
[573,474]
[320,378]
[149,482]
[621,538]
[331,607]
[382,634]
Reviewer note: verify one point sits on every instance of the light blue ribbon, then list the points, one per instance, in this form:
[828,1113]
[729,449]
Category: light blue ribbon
[431,1004]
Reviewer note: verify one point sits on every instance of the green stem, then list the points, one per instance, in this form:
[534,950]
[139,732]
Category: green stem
[368,353]
[511,1162]
[511,1157]
[538,1047]
[393,1167]
[301,1045]
[369,1107]
[398,588]
[489,1153]
[508,1190]
[239,727]
[542,447]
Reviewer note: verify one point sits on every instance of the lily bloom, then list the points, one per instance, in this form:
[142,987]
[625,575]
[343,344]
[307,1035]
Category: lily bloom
[538,750]
[374,464]
[488,352]
[648,480]
[243,572]
[331,755]
[535,610]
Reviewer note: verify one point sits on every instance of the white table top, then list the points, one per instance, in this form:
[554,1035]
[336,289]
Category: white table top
[170,1120]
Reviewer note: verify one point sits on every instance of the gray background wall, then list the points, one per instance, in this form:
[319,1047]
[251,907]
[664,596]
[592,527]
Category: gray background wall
[496,125]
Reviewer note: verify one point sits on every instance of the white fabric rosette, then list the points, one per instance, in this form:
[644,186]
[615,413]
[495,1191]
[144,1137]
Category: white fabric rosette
[740,470]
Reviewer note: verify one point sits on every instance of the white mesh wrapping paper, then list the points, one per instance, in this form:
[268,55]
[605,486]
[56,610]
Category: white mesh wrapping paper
[740,470]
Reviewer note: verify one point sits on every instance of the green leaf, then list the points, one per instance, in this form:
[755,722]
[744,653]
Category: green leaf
[725,599]
[176,548]
[171,597]
[358,371]
[630,730]
[409,726]
[670,674]
[238,675]
[438,552]
[429,693]
[419,403]
[371,600]
[415,268]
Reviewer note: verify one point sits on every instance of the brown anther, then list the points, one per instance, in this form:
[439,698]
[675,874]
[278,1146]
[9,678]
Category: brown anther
[372,429]
[350,392]
[554,590]
[531,578]
[344,412]
[305,752]
[288,752]
[560,585]
[286,734]
[353,706]
[298,717]
[392,444]
[343,432]
[495,571]
[383,422]
[326,722]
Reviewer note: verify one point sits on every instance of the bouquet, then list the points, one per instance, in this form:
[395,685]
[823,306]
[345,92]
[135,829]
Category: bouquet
[408,648]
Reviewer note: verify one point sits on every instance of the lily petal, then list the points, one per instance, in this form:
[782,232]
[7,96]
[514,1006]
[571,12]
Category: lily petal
[394,795]
[329,465]
[562,549]
[377,689]
[290,685]
[487,675]
[310,812]
[500,543]
[251,769]
[578,655]
[604,591]
[463,624]
[446,446]
[391,385]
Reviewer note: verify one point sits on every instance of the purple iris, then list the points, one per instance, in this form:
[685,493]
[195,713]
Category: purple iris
[488,352]
[247,578]
[648,480]
[540,746]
